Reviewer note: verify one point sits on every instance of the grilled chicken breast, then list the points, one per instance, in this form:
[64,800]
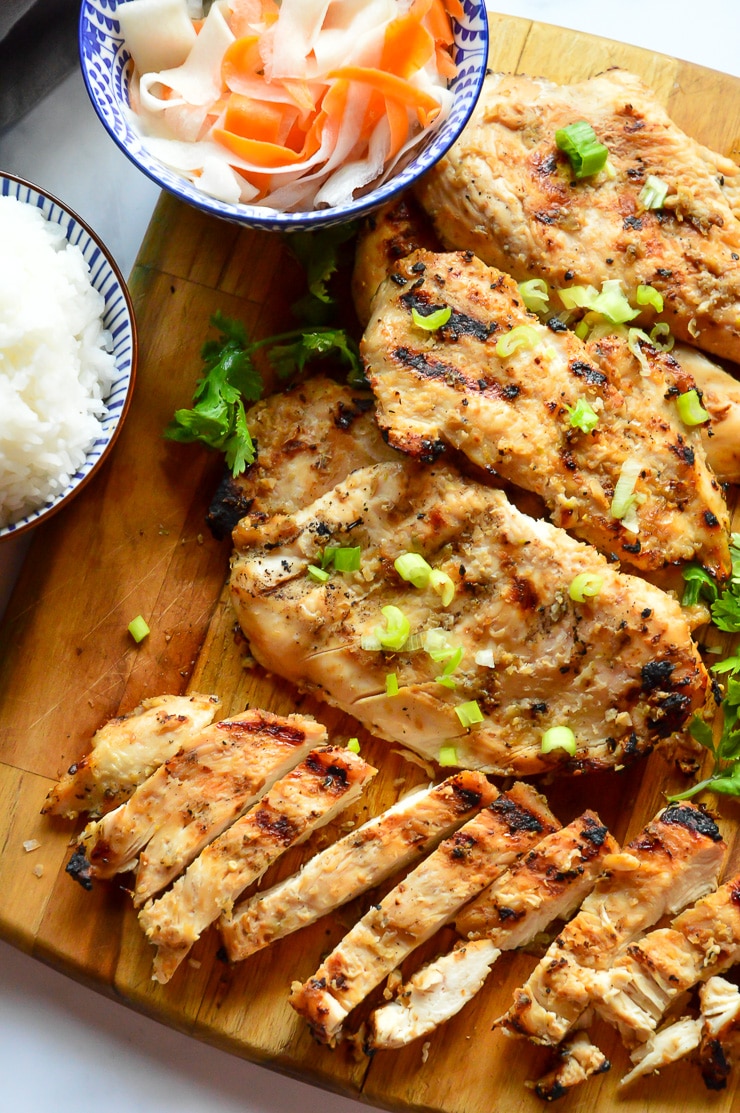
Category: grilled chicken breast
[720,1030]
[512,413]
[417,907]
[674,860]
[192,798]
[507,193]
[126,750]
[307,797]
[720,395]
[308,438]
[620,670]
[547,883]
[384,845]
[577,1060]
[670,1044]
[642,984]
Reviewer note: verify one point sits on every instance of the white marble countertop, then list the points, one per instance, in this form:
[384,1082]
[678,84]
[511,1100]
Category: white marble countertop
[62,1046]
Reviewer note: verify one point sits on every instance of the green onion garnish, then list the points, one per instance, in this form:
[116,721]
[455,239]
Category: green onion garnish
[447,756]
[444,586]
[391,684]
[397,629]
[413,568]
[469,713]
[433,320]
[610,303]
[624,491]
[319,575]
[558,738]
[521,336]
[586,584]
[347,559]
[586,154]
[690,409]
[582,329]
[436,644]
[138,629]
[446,681]
[353,744]
[583,416]
[648,295]
[653,193]
[662,329]
[534,295]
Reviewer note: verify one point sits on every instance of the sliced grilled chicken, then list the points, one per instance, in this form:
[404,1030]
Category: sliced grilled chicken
[192,798]
[307,797]
[670,1044]
[620,669]
[308,438]
[126,750]
[720,1030]
[388,235]
[359,861]
[643,983]
[547,883]
[429,897]
[675,860]
[720,395]
[578,1060]
[512,413]
[507,193]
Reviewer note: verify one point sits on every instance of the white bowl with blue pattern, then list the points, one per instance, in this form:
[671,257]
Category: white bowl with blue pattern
[118,320]
[106,68]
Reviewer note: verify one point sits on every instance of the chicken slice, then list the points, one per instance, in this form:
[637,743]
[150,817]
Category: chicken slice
[720,1017]
[547,883]
[720,395]
[429,897]
[577,1060]
[675,860]
[512,413]
[670,1044]
[643,983]
[192,798]
[126,750]
[620,669]
[308,438]
[507,193]
[362,859]
[307,797]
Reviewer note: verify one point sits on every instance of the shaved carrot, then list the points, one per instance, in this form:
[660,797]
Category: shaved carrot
[395,88]
[241,60]
[438,22]
[267,121]
[257,151]
[408,46]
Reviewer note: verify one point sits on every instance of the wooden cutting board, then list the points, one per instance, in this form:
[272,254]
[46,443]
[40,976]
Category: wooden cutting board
[135,542]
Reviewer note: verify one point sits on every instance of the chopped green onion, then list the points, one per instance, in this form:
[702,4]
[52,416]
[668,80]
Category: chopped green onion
[391,684]
[634,338]
[469,713]
[534,295]
[397,629]
[433,320]
[521,336]
[586,584]
[624,491]
[327,557]
[558,738]
[138,629]
[320,575]
[353,744]
[437,645]
[653,193]
[583,416]
[611,303]
[347,559]
[454,660]
[582,329]
[447,756]
[413,568]
[648,295]
[578,297]
[657,331]
[586,154]
[444,586]
[690,409]
[446,681]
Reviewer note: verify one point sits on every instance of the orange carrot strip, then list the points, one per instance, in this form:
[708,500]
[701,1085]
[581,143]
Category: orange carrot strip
[438,22]
[446,66]
[407,45]
[241,59]
[456,10]
[254,119]
[398,120]
[391,86]
[267,155]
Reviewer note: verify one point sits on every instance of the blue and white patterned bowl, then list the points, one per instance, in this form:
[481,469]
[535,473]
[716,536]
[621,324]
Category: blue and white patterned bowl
[118,319]
[106,70]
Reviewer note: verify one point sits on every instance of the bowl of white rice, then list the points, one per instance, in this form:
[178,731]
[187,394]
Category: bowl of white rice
[67,354]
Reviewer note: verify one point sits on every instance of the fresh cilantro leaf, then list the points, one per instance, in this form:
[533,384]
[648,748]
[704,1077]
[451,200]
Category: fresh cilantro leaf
[319,254]
[726,612]
[290,359]
[699,585]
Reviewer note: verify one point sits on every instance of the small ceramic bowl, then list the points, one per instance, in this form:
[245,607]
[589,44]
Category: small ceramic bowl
[118,319]
[106,69]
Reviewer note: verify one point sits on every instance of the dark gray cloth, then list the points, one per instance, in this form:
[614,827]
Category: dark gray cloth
[38,48]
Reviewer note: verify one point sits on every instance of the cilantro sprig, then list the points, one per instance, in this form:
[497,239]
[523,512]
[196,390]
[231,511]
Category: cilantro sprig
[724,603]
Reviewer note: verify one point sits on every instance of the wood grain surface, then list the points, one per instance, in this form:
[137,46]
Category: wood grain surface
[135,542]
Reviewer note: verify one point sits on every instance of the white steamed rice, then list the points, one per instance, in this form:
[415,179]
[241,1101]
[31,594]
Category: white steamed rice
[55,366]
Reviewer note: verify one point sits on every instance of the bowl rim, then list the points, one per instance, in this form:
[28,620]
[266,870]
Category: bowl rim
[266,219]
[43,513]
